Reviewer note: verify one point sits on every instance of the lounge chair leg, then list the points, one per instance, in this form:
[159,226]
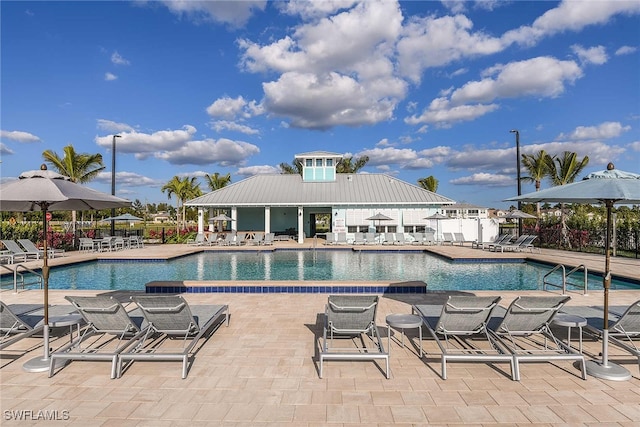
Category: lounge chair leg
[444,368]
[115,372]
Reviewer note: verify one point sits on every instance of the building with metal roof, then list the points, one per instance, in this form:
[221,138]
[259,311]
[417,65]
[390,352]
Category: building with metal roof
[288,203]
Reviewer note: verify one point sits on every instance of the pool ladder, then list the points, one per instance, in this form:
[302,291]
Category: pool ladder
[19,277]
[565,279]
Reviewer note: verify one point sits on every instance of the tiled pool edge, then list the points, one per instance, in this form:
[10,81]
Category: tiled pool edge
[178,287]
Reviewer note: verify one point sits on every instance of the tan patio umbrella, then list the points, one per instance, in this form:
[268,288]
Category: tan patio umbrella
[44,190]
[608,187]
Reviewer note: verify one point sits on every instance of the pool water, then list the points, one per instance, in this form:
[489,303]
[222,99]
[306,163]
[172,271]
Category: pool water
[324,266]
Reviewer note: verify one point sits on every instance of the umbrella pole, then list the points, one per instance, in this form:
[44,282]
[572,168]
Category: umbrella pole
[605,369]
[42,364]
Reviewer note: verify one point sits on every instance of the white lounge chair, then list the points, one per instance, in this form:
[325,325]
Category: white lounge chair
[459,327]
[30,247]
[170,316]
[351,319]
[16,251]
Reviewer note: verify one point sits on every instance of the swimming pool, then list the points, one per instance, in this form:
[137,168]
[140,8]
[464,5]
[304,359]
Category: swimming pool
[310,266]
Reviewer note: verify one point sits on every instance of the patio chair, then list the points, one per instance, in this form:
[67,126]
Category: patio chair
[388,239]
[352,317]
[459,327]
[525,332]
[110,331]
[624,328]
[459,238]
[210,239]
[330,239]
[16,251]
[86,244]
[508,245]
[170,317]
[197,240]
[399,239]
[429,238]
[268,239]
[447,238]
[502,238]
[418,238]
[258,238]
[30,247]
[370,238]
[341,239]
[358,238]
[16,324]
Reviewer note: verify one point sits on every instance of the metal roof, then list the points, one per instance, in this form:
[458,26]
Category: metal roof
[316,154]
[347,190]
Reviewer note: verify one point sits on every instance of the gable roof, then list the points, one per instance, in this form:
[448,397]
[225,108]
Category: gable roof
[346,190]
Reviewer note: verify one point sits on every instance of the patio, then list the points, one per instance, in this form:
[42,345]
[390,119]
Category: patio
[262,370]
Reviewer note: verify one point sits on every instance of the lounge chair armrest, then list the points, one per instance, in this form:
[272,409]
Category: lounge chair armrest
[175,309]
[340,308]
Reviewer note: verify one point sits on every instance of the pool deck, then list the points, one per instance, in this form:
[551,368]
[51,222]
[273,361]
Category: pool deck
[263,370]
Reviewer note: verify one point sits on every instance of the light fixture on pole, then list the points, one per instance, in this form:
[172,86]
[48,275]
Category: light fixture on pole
[518,176]
[113,180]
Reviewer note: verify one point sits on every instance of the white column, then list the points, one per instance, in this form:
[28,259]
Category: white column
[267,219]
[210,220]
[200,220]
[234,215]
[300,225]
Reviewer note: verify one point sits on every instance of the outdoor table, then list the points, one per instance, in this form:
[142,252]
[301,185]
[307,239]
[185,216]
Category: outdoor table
[402,322]
[570,321]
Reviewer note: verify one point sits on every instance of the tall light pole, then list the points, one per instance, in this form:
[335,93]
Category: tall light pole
[113,180]
[518,176]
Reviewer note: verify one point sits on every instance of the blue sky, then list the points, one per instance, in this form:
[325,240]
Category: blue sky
[422,88]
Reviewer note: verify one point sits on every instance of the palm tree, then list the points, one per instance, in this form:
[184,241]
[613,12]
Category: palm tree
[539,166]
[295,168]
[429,183]
[79,167]
[216,181]
[184,189]
[347,165]
[565,170]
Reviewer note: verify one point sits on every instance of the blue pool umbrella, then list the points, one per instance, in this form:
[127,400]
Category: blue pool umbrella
[44,190]
[608,187]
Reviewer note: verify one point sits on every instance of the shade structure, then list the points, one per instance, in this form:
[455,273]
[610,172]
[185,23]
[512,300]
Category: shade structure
[44,190]
[608,187]
[518,214]
[123,217]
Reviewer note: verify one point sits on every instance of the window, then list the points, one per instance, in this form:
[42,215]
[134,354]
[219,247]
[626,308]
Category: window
[329,162]
[409,228]
[318,163]
[309,162]
[352,229]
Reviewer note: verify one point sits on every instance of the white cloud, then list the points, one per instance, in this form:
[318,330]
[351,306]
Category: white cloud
[313,10]
[388,156]
[258,170]
[223,152]
[222,125]
[626,50]
[604,130]
[635,146]
[234,13]
[129,179]
[541,76]
[19,136]
[435,42]
[443,114]
[229,108]
[333,71]
[110,77]
[594,55]
[455,6]
[111,126]
[570,16]
[485,179]
[117,59]
[323,101]
[4,150]
[143,145]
